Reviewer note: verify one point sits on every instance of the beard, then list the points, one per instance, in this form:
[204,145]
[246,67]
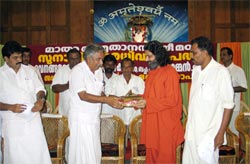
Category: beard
[109,70]
[153,64]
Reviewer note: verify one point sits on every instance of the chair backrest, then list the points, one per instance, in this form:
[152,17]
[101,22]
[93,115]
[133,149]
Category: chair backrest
[56,111]
[47,108]
[184,120]
[135,132]
[233,141]
[242,124]
[244,107]
[184,110]
[111,128]
[135,127]
[55,127]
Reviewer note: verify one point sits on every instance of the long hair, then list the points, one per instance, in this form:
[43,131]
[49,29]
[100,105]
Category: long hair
[160,52]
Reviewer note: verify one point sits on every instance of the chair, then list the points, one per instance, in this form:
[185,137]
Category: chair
[244,107]
[47,108]
[185,116]
[230,152]
[138,151]
[184,110]
[56,131]
[242,124]
[112,139]
[56,110]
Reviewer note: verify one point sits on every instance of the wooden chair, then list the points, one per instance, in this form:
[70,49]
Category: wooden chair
[244,107]
[242,124]
[112,138]
[56,131]
[47,108]
[138,151]
[230,152]
[184,110]
[56,111]
[185,116]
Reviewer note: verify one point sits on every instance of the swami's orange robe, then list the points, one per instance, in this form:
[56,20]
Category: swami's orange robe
[161,129]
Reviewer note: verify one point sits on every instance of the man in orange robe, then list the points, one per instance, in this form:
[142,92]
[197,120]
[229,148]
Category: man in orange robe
[161,129]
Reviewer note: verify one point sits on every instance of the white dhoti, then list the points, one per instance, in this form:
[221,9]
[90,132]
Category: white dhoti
[192,155]
[24,141]
[84,140]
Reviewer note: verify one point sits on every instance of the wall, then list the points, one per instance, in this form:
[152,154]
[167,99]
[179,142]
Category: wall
[46,22]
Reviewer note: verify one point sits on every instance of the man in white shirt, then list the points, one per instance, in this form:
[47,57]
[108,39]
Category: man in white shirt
[21,99]
[60,83]
[126,84]
[26,55]
[86,93]
[109,65]
[210,105]
[238,80]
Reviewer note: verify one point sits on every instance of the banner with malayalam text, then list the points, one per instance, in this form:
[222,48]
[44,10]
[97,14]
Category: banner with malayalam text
[51,57]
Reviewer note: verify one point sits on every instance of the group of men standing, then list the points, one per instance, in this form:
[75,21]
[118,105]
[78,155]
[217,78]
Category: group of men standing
[91,87]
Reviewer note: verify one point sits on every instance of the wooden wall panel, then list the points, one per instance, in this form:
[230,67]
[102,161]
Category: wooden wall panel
[222,35]
[59,37]
[242,14]
[79,20]
[4,19]
[242,34]
[19,36]
[18,16]
[38,13]
[222,12]
[58,13]
[38,37]
[199,18]
[4,37]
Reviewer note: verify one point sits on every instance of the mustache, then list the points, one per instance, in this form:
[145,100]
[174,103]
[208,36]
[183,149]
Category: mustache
[109,70]
[18,63]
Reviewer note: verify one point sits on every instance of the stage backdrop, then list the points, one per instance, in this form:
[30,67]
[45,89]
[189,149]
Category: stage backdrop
[140,21]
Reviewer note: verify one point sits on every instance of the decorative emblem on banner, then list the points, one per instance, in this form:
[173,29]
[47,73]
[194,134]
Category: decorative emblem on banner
[139,28]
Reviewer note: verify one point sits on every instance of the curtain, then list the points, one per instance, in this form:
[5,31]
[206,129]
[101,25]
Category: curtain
[245,49]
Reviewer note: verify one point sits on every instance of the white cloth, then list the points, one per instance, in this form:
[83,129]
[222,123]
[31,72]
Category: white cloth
[27,114]
[62,77]
[105,107]
[119,87]
[211,92]
[238,79]
[84,117]
[37,72]
[24,140]
[108,85]
[206,150]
